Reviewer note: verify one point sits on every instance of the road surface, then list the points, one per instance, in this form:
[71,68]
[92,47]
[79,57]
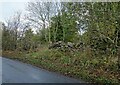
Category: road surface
[18,72]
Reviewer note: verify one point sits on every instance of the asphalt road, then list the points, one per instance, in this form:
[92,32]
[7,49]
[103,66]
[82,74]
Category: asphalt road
[18,72]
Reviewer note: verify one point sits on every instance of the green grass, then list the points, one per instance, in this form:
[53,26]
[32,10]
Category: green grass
[77,64]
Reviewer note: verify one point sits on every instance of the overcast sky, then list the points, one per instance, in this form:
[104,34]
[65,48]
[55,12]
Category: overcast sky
[8,9]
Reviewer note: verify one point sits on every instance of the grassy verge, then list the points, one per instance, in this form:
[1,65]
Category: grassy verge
[77,64]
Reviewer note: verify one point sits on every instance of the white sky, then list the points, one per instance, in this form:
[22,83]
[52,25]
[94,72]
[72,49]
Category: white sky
[8,8]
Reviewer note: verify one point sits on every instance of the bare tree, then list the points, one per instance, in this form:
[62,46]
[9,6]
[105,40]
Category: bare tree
[17,28]
[13,24]
[40,14]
